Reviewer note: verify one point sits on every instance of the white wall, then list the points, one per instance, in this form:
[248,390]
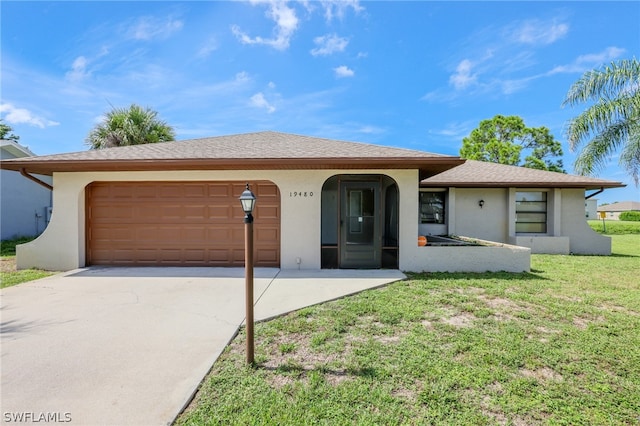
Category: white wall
[300,216]
[24,203]
[567,228]
[469,259]
[487,223]
[583,239]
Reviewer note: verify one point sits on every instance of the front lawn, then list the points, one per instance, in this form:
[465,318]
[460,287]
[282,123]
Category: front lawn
[615,227]
[9,276]
[559,345]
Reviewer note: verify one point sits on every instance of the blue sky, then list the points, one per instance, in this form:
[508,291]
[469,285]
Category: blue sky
[418,75]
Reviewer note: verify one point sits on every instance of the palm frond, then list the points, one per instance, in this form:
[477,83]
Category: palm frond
[594,155]
[630,154]
[601,115]
[607,82]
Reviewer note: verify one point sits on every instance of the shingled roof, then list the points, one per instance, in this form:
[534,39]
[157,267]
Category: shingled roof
[261,150]
[621,206]
[479,174]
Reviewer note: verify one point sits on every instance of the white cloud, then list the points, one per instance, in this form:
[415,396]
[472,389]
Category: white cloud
[455,130]
[338,8]
[286,25]
[78,70]
[328,44]
[371,130]
[259,101]
[148,28]
[463,77]
[343,71]
[15,115]
[208,46]
[536,32]
[589,61]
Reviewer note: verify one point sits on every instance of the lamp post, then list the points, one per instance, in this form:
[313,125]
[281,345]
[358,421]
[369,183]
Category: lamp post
[248,201]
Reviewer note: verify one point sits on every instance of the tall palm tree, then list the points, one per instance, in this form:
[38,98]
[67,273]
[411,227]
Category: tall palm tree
[129,126]
[612,122]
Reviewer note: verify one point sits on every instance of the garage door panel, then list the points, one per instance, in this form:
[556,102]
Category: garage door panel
[194,191]
[265,235]
[99,234]
[266,256]
[220,212]
[139,192]
[179,223]
[267,212]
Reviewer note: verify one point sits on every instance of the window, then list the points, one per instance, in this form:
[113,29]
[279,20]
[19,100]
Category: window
[432,207]
[531,212]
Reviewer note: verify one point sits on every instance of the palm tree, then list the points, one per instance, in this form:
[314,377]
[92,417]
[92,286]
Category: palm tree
[129,126]
[612,122]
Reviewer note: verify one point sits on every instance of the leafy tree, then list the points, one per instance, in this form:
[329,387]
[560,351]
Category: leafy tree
[6,132]
[502,140]
[612,122]
[129,126]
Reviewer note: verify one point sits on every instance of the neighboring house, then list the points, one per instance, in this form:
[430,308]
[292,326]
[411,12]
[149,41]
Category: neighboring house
[321,203]
[612,211]
[591,209]
[24,204]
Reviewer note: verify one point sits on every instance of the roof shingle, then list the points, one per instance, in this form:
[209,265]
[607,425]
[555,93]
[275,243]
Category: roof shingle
[251,150]
[479,174]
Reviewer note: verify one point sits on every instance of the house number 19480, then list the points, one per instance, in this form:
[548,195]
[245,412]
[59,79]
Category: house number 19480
[300,194]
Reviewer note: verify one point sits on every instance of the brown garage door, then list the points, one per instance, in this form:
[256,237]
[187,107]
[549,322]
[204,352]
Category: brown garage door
[179,224]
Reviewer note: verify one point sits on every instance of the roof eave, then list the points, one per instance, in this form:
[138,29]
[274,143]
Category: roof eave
[53,166]
[515,184]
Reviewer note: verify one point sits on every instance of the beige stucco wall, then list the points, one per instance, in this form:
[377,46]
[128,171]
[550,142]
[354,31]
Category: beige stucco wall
[506,258]
[567,228]
[62,246]
[583,239]
[487,223]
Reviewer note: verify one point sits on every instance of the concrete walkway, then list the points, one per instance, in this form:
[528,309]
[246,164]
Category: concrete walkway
[129,346]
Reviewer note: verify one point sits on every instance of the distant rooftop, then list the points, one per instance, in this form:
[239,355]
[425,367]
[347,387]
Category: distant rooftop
[621,206]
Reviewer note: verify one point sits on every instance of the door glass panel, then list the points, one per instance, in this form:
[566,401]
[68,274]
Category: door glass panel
[360,219]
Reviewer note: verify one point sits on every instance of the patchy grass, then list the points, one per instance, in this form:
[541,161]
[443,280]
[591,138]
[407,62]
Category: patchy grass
[9,276]
[559,345]
[615,227]
[8,247]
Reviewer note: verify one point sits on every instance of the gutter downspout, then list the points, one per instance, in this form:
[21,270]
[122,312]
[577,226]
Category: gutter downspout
[594,194]
[24,173]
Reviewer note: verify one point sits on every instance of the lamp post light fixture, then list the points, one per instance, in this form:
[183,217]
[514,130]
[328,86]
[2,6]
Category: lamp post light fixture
[248,201]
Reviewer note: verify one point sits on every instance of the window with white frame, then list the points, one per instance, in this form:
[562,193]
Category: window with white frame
[432,205]
[531,212]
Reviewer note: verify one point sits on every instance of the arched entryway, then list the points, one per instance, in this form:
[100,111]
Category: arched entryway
[360,222]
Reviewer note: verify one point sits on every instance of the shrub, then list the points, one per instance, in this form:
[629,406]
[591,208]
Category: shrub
[632,215]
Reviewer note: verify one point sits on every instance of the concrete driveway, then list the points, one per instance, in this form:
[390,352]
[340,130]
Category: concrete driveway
[129,346]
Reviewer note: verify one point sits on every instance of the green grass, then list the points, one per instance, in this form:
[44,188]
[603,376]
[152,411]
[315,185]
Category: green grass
[559,345]
[8,279]
[615,227]
[8,275]
[8,247]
